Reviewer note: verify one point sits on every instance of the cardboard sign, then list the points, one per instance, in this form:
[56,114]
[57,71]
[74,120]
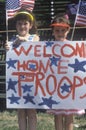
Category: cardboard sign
[46,75]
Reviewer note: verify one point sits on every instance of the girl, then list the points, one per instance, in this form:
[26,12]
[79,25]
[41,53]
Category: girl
[63,118]
[25,25]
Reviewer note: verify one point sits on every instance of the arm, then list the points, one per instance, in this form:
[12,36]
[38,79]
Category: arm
[36,38]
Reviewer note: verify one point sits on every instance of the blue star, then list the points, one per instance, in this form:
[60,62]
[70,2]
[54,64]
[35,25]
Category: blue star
[15,45]
[14,99]
[32,66]
[11,63]
[27,88]
[65,88]
[22,77]
[11,85]
[49,43]
[54,60]
[78,66]
[29,98]
[49,102]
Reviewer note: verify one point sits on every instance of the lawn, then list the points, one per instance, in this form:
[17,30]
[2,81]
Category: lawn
[8,121]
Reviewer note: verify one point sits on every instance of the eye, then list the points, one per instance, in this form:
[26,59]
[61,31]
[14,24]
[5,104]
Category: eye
[25,23]
[57,30]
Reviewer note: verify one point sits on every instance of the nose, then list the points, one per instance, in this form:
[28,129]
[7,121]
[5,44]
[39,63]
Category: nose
[22,25]
[60,32]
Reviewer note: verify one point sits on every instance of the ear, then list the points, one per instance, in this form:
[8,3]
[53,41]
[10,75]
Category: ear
[69,29]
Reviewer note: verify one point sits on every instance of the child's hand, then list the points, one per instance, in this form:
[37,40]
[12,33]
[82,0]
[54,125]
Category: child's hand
[7,46]
[19,40]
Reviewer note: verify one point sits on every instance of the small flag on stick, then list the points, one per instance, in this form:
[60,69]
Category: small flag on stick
[81,14]
[12,6]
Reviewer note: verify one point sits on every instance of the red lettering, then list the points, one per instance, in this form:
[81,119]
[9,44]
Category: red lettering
[21,65]
[37,51]
[59,87]
[62,69]
[44,67]
[22,49]
[84,96]
[67,46]
[39,76]
[54,50]
[32,63]
[45,53]
[80,50]
[77,82]
[49,87]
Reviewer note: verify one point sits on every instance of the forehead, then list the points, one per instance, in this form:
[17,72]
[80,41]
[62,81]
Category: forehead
[22,21]
[59,28]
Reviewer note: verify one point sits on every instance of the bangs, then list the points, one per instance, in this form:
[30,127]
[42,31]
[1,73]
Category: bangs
[22,17]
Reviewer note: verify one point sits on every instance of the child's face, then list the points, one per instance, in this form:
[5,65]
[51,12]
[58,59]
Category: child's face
[23,27]
[60,33]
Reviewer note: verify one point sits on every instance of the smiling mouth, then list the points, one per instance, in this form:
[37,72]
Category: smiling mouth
[60,37]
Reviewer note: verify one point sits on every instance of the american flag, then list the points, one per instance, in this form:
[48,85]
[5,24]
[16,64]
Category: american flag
[12,6]
[28,4]
[81,14]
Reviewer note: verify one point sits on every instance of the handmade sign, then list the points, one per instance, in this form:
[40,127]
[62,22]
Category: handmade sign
[46,75]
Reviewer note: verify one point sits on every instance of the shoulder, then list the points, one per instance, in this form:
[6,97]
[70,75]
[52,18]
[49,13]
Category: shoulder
[33,37]
[36,37]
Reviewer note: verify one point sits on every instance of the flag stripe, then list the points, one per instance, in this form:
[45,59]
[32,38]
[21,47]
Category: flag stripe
[81,14]
[12,6]
[10,13]
[81,19]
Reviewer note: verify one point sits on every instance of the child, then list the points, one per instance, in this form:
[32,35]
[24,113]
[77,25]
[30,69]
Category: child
[25,23]
[63,118]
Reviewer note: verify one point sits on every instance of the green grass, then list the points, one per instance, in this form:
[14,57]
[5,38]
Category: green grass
[2,0]
[8,121]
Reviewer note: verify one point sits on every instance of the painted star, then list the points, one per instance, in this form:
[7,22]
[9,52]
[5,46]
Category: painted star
[54,60]
[49,43]
[32,66]
[14,99]
[65,88]
[16,45]
[11,63]
[29,98]
[22,77]
[27,88]
[11,85]
[48,101]
[78,65]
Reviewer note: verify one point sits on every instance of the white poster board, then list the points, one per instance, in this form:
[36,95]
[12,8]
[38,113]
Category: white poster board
[46,75]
